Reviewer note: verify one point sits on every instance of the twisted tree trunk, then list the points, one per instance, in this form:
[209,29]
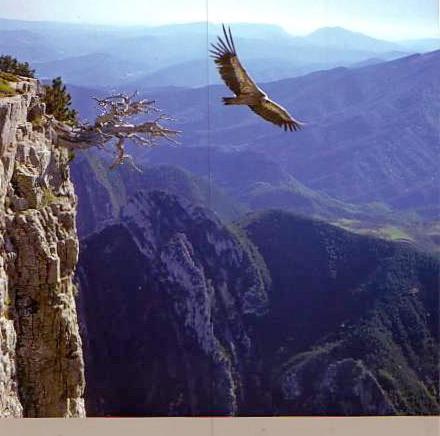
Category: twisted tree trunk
[113,127]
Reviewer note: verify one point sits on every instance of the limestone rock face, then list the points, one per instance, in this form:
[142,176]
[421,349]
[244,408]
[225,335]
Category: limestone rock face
[41,363]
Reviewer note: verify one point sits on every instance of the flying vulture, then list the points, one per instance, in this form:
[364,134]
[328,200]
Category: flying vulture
[245,89]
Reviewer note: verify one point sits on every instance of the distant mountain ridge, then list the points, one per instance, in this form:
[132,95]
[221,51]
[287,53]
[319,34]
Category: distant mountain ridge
[371,133]
[148,50]
[371,137]
[340,37]
[102,193]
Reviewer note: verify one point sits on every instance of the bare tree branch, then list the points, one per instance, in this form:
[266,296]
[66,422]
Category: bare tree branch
[114,126]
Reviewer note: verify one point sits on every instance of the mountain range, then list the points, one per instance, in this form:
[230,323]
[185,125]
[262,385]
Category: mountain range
[142,56]
[275,315]
[366,159]
[371,133]
[249,271]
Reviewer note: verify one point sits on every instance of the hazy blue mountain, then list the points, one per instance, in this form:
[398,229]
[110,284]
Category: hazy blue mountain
[422,45]
[165,55]
[367,62]
[28,46]
[60,40]
[97,70]
[244,30]
[371,134]
[370,138]
[230,183]
[176,55]
[203,72]
[343,38]
[103,193]
[255,180]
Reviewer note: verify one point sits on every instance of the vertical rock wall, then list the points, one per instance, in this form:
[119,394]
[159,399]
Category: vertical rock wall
[41,362]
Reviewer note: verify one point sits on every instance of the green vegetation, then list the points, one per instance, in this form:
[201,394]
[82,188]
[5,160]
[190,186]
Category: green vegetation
[111,180]
[7,308]
[348,223]
[252,251]
[394,233]
[397,344]
[5,89]
[377,316]
[48,197]
[6,77]
[71,155]
[57,99]
[11,65]
[37,122]
[9,77]
[58,102]
[389,232]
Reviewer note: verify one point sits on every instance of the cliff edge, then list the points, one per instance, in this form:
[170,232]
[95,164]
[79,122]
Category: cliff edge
[41,361]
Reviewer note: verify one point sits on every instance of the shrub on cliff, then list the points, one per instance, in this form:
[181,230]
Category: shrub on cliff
[5,89]
[8,64]
[58,102]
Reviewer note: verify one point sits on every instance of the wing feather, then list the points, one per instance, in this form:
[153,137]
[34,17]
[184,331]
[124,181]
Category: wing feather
[238,80]
[230,68]
[276,114]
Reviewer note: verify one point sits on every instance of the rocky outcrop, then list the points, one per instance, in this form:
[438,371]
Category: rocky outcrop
[41,364]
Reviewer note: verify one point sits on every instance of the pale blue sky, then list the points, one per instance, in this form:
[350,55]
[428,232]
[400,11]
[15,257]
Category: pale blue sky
[391,19]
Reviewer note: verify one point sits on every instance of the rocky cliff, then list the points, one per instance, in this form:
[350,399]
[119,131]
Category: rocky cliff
[41,363]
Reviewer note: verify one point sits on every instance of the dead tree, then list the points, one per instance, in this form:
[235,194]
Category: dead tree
[115,125]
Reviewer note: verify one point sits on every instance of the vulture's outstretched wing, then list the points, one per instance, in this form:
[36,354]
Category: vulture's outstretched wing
[242,85]
[276,114]
[230,68]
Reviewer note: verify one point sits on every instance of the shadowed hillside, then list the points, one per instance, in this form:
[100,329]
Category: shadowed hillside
[353,321]
[283,316]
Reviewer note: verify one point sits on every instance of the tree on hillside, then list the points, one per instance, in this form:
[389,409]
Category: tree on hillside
[118,122]
[8,64]
[58,102]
